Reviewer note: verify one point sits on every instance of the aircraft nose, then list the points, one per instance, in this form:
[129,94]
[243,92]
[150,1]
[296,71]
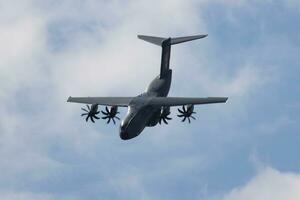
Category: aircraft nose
[124,136]
[123,133]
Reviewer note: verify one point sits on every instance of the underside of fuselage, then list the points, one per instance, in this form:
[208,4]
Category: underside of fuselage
[140,116]
[135,121]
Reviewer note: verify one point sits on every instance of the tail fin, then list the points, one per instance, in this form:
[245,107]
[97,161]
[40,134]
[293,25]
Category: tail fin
[159,41]
[152,39]
[166,43]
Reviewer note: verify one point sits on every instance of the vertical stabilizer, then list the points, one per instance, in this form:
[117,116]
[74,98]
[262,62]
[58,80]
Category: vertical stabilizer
[166,43]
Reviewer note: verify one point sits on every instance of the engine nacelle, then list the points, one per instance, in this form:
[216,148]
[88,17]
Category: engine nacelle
[113,111]
[91,112]
[190,109]
[165,111]
[94,108]
[187,112]
[110,114]
[164,115]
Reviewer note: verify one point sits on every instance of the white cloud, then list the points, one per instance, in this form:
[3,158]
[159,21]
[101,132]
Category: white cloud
[130,184]
[22,39]
[120,60]
[100,56]
[293,4]
[24,196]
[246,79]
[86,65]
[268,184]
[276,125]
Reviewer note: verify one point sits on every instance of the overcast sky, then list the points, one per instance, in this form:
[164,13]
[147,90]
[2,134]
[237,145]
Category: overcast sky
[245,149]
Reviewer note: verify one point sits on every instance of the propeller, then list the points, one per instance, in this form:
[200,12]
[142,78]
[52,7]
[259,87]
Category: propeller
[187,112]
[91,112]
[110,114]
[164,113]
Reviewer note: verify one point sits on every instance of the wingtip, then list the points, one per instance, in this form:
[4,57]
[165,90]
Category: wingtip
[69,99]
[202,36]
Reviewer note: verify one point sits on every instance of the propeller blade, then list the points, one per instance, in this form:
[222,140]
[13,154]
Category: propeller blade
[183,108]
[165,120]
[106,108]
[92,119]
[105,117]
[104,113]
[193,117]
[159,121]
[88,106]
[84,114]
[108,120]
[96,113]
[84,109]
[117,117]
[189,120]
[96,117]
[180,111]
[184,119]
[180,115]
[168,118]
[113,120]
[87,118]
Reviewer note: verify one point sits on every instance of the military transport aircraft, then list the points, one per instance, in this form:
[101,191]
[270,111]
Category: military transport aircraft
[152,106]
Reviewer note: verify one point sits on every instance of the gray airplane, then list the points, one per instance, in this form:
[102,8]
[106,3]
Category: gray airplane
[151,107]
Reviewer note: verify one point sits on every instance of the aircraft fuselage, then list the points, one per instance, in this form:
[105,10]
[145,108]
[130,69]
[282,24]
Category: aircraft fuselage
[151,107]
[140,114]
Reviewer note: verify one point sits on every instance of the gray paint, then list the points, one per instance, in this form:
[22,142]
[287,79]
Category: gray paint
[144,110]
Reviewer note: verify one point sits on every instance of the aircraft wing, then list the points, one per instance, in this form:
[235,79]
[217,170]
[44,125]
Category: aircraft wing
[153,101]
[105,101]
[178,101]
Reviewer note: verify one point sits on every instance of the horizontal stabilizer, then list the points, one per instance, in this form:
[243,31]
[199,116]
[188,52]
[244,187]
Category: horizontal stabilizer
[152,39]
[186,39]
[159,40]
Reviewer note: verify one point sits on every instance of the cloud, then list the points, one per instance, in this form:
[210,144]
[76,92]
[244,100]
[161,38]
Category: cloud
[23,43]
[53,49]
[268,184]
[24,196]
[292,4]
[276,125]
[48,54]
[118,61]
[246,80]
[12,195]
